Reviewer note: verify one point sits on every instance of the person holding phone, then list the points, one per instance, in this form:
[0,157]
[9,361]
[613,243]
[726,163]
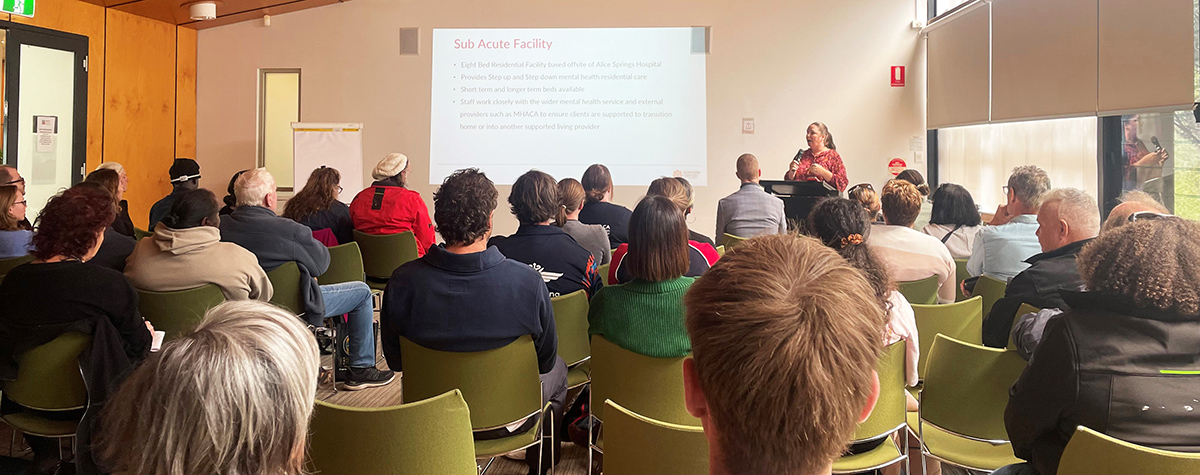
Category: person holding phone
[820,161]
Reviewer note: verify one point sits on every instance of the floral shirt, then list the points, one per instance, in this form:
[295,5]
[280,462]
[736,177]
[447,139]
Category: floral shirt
[828,159]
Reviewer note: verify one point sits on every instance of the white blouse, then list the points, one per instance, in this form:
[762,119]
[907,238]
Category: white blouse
[960,243]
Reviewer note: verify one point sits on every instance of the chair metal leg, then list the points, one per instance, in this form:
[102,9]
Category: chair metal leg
[488,464]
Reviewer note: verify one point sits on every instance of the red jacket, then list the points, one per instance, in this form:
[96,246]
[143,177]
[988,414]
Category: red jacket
[396,210]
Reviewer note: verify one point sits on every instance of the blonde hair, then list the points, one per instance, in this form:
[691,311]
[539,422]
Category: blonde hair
[232,397]
[570,199]
[785,336]
[253,187]
[114,166]
[901,202]
[671,189]
[8,197]
[868,198]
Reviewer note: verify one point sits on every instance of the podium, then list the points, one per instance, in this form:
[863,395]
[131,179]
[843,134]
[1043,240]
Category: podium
[799,197]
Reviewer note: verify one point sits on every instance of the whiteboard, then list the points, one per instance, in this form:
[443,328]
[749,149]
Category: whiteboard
[337,146]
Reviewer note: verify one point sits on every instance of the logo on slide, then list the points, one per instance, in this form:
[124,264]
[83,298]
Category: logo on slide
[547,277]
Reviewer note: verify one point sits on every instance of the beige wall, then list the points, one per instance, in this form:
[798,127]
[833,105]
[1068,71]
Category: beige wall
[785,63]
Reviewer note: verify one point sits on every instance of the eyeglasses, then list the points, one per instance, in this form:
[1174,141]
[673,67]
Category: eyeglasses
[1149,216]
[22,202]
[340,189]
[860,185]
[1005,188]
[18,181]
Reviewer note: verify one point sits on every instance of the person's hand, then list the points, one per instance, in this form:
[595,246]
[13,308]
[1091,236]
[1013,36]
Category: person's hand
[150,327]
[962,287]
[820,171]
[794,167]
[1001,216]
[1162,156]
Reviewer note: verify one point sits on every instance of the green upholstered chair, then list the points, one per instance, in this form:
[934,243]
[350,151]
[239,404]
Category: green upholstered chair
[639,445]
[383,253]
[1092,453]
[603,270]
[721,250]
[345,265]
[12,262]
[991,290]
[962,404]
[48,380]
[960,274]
[288,293]
[959,320]
[139,233]
[180,311]
[885,420]
[428,436]
[922,291]
[501,387]
[571,323]
[732,241]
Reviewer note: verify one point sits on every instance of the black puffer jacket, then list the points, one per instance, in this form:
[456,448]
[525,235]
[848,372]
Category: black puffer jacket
[1132,373]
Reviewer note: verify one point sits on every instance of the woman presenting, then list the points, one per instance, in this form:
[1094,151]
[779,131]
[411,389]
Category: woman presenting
[820,162]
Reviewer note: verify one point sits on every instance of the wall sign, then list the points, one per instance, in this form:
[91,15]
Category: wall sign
[897,76]
[896,166]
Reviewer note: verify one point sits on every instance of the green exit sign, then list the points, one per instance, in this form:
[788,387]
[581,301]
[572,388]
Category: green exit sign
[18,7]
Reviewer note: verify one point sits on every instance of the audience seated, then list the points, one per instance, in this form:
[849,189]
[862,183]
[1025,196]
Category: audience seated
[117,247]
[9,176]
[244,410]
[387,207]
[186,252]
[645,313]
[230,199]
[15,239]
[914,177]
[750,211]
[1067,220]
[690,197]
[58,292]
[599,208]
[317,205]
[276,241]
[592,237]
[954,219]
[1122,360]
[564,265]
[185,175]
[865,195]
[785,339]
[911,255]
[1001,249]
[466,296]
[652,225]
[123,224]
[840,224]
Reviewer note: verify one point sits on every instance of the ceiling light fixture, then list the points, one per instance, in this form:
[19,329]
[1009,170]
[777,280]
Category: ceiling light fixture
[201,11]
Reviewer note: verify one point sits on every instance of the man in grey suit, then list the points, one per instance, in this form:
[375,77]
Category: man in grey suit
[750,211]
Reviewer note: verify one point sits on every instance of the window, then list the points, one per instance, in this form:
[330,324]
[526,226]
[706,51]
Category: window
[279,106]
[940,7]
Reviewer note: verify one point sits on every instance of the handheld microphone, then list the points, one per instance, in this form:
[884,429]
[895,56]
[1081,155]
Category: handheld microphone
[1157,146]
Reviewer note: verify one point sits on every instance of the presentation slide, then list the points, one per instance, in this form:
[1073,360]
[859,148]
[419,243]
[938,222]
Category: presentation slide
[510,100]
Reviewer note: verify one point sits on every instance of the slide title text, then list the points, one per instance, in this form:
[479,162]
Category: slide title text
[516,43]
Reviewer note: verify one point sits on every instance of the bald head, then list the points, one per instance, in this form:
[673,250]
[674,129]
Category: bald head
[1131,202]
[747,168]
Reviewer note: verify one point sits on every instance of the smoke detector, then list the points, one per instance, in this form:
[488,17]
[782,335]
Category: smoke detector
[201,11]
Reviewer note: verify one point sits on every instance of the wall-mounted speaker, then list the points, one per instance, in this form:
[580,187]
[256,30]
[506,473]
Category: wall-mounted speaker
[410,41]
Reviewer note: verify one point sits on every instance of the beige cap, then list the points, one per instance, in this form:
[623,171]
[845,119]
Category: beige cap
[390,166]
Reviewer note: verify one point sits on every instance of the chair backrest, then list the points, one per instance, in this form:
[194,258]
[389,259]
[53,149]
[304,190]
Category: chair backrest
[649,386]
[345,265]
[1092,453]
[428,436]
[638,445]
[138,234]
[721,250]
[960,274]
[959,320]
[603,270]
[180,311]
[922,291]
[991,290]
[571,323]
[889,413]
[288,293]
[12,262]
[1025,308]
[966,388]
[732,241]
[501,386]
[48,376]
[383,253]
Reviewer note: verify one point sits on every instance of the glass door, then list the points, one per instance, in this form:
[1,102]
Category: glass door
[45,113]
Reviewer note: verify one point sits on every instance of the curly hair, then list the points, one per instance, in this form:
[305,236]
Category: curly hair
[836,222]
[901,202]
[318,194]
[1153,263]
[462,207]
[596,182]
[72,221]
[534,198]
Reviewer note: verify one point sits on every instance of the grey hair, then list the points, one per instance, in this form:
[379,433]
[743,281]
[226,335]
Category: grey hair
[253,187]
[1077,208]
[1028,183]
[234,396]
[114,166]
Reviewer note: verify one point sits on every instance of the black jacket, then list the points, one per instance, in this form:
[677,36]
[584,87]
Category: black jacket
[1132,373]
[565,266]
[335,218]
[114,251]
[123,224]
[1039,286]
[275,241]
[614,218]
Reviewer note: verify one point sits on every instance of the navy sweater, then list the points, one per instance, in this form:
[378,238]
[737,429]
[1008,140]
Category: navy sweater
[565,266]
[467,302]
[614,218]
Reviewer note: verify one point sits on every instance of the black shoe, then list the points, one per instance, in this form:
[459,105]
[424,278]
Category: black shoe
[370,377]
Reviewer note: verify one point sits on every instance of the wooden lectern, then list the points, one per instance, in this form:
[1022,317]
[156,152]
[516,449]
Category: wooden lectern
[798,197]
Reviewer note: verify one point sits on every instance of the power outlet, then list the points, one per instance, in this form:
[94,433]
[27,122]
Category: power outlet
[748,125]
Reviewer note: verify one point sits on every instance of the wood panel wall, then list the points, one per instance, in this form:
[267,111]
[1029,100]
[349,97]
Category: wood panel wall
[141,93]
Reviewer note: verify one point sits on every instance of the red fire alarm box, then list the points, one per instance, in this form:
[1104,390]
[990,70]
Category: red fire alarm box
[897,76]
